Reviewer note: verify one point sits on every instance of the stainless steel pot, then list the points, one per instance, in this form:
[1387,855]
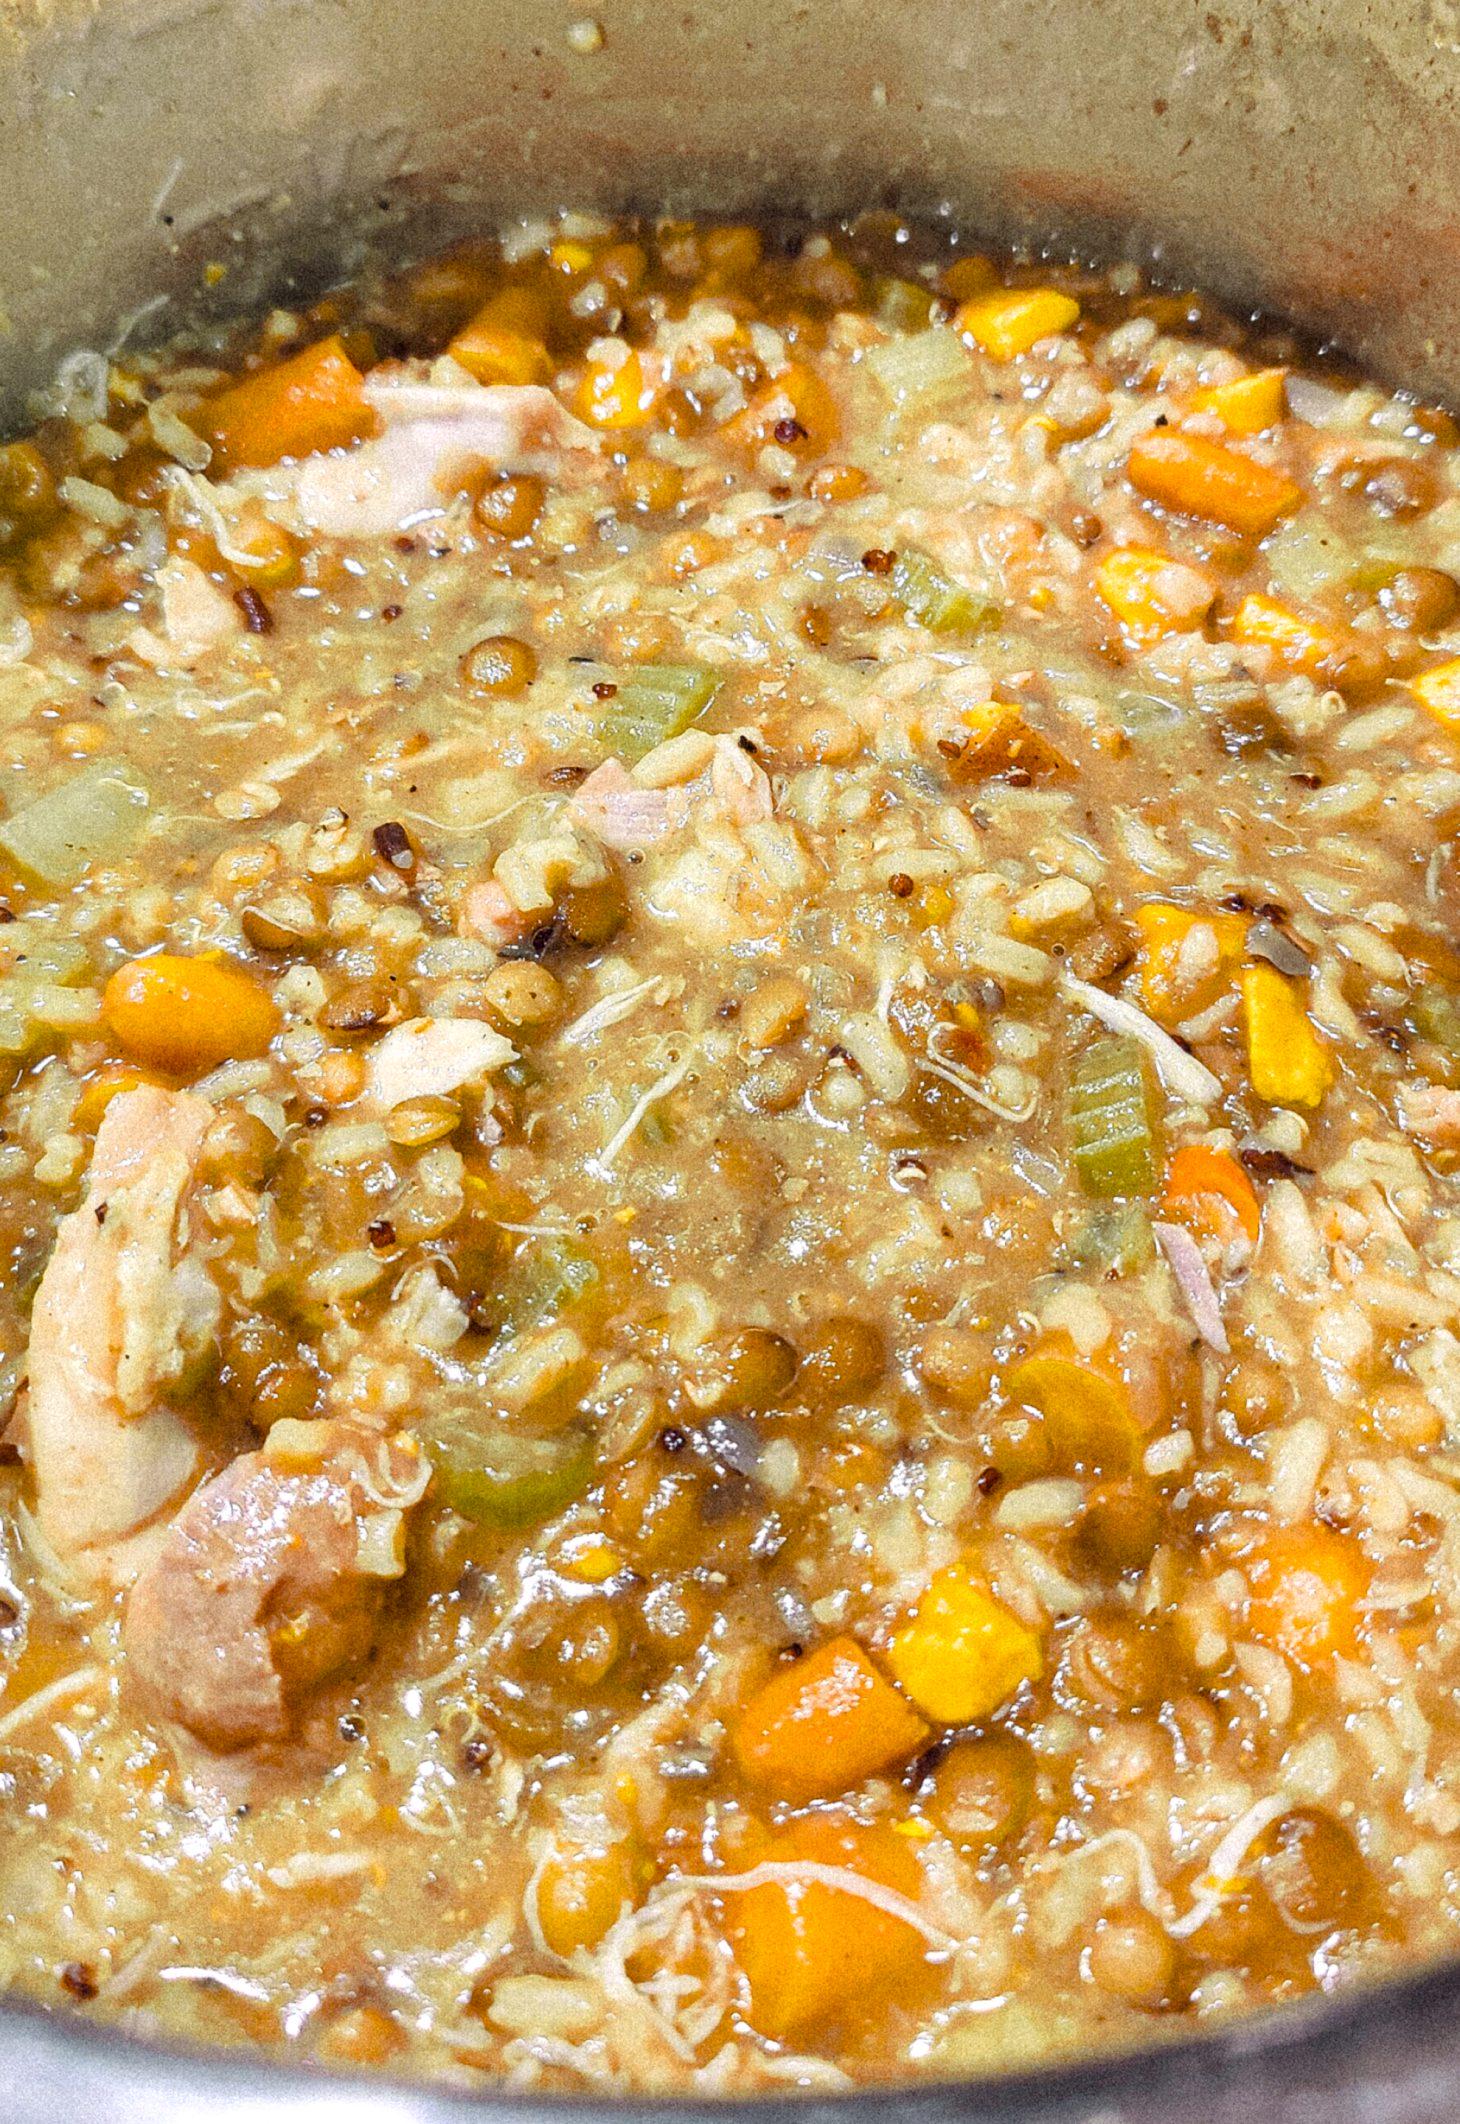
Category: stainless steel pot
[1300,155]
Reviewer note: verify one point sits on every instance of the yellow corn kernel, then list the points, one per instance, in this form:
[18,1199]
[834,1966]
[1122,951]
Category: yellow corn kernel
[932,907]
[495,351]
[1439,691]
[591,1560]
[569,257]
[963,1654]
[1012,320]
[1287,1062]
[1303,644]
[1248,405]
[1179,977]
[614,398]
[1151,594]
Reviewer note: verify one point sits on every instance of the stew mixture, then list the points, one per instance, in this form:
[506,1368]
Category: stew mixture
[731,1033]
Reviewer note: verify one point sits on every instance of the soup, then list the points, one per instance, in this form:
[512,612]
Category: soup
[731,1041]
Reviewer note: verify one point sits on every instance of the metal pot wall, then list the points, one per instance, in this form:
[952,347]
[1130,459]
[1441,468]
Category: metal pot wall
[1302,155]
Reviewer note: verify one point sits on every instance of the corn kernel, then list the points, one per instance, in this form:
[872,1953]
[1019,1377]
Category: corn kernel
[569,257]
[1439,691]
[963,1654]
[614,398]
[1012,320]
[1247,405]
[1288,1063]
[591,1560]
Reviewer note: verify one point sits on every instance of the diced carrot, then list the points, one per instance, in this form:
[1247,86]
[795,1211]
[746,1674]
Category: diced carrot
[614,398]
[1182,971]
[187,1015]
[1000,742]
[1088,1418]
[795,410]
[963,1654]
[820,1727]
[1439,690]
[808,1949]
[1248,404]
[1308,1586]
[1198,1171]
[1010,321]
[1305,645]
[1151,594]
[497,347]
[98,1092]
[1288,1063]
[312,401]
[1198,477]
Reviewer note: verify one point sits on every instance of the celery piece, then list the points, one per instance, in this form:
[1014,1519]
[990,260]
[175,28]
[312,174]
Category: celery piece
[1116,1238]
[43,954]
[35,1013]
[545,1281]
[1111,1135]
[902,305]
[1435,1016]
[935,601]
[499,1478]
[654,702]
[1307,558]
[92,818]
[918,363]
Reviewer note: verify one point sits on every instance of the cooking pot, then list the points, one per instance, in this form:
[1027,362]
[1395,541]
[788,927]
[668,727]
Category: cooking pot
[158,157]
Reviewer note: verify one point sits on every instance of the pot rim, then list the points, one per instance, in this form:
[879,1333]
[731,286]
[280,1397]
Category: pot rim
[1387,2039]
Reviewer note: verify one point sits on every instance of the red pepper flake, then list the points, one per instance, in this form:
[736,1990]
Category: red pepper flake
[604,689]
[788,432]
[900,885]
[878,561]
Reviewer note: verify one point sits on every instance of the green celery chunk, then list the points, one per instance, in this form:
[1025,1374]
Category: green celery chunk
[1115,1238]
[545,1281]
[498,1478]
[903,305]
[92,818]
[1435,1016]
[655,702]
[935,601]
[1308,558]
[1111,1133]
[915,365]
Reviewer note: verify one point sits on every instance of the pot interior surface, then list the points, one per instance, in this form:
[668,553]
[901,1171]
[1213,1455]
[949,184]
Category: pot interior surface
[1303,156]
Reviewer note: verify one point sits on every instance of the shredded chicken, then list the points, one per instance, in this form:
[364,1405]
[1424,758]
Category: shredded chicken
[625,815]
[431,434]
[1430,1112]
[431,1058]
[269,1581]
[197,618]
[122,1313]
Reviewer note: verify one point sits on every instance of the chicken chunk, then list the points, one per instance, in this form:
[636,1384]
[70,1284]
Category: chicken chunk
[123,1313]
[269,1581]
[431,434]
